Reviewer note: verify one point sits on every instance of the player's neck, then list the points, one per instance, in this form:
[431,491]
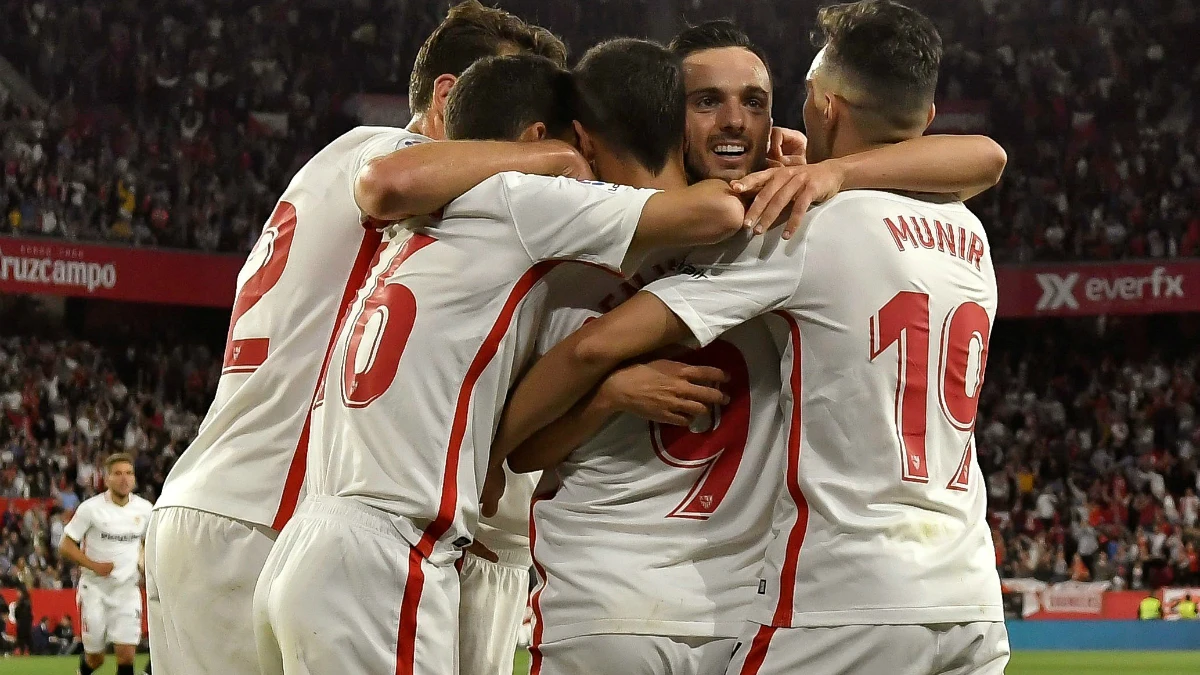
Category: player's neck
[423,124]
[116,499]
[672,176]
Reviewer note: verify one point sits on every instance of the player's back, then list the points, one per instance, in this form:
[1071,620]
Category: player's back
[883,515]
[420,372]
[247,459]
[656,529]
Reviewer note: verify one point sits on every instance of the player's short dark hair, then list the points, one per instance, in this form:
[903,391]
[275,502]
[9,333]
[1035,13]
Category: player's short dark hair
[117,458]
[892,50]
[499,96]
[471,32]
[716,34]
[631,95]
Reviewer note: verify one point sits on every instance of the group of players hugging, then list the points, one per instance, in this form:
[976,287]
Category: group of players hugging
[715,381]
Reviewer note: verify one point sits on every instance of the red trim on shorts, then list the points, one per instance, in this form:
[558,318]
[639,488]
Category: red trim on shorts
[364,260]
[406,635]
[448,506]
[535,601]
[795,540]
[758,650]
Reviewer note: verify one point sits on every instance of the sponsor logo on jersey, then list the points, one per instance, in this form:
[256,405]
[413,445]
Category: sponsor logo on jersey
[120,537]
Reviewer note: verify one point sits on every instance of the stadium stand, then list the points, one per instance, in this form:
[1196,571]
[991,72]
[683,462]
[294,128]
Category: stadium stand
[1095,109]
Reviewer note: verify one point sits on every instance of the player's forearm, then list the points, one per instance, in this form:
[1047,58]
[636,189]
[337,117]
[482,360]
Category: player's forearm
[548,447]
[576,365]
[705,213]
[71,551]
[960,165]
[420,179]
[548,391]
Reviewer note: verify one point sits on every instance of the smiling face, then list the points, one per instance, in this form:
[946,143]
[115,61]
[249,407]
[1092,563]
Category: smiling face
[729,112]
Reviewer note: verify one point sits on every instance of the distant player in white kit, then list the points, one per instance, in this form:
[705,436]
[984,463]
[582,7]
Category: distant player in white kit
[105,538]
[363,579]
[882,559]
[240,481]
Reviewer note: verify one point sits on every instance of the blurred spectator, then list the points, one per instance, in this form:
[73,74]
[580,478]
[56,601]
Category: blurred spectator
[40,638]
[63,639]
[23,617]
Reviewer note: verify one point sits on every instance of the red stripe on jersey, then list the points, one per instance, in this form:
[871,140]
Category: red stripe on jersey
[758,650]
[458,429]
[364,260]
[406,635]
[795,540]
[246,355]
[535,602]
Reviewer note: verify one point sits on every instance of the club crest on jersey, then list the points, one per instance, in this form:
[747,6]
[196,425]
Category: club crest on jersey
[706,502]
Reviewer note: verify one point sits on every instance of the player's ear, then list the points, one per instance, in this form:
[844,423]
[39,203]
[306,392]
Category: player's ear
[586,147]
[533,132]
[437,107]
[932,114]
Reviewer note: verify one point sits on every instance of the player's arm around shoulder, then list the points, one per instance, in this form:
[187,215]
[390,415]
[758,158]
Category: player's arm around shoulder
[569,371]
[419,179]
[704,213]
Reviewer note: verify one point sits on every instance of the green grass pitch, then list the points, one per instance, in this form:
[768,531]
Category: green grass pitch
[1025,663]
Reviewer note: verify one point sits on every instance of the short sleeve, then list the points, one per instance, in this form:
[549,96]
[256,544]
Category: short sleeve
[80,523]
[721,286]
[383,143]
[567,219]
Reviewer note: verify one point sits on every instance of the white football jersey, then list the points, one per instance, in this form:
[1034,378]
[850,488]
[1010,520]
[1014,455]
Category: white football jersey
[657,529]
[883,309]
[247,461]
[110,533]
[420,372]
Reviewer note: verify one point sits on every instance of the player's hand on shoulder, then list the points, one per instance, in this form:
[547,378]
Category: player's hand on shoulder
[102,569]
[664,391]
[780,187]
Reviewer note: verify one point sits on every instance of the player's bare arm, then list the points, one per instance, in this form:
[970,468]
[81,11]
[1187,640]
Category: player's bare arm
[705,213]
[71,551]
[420,179]
[662,391]
[963,166]
[572,368]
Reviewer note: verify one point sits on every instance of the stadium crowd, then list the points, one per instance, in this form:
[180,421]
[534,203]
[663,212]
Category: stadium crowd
[1088,447]
[159,134]
[66,405]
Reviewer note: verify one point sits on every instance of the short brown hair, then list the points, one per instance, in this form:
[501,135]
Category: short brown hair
[891,50]
[117,458]
[471,32]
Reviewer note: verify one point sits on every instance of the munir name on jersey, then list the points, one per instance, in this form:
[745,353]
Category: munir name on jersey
[946,237]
